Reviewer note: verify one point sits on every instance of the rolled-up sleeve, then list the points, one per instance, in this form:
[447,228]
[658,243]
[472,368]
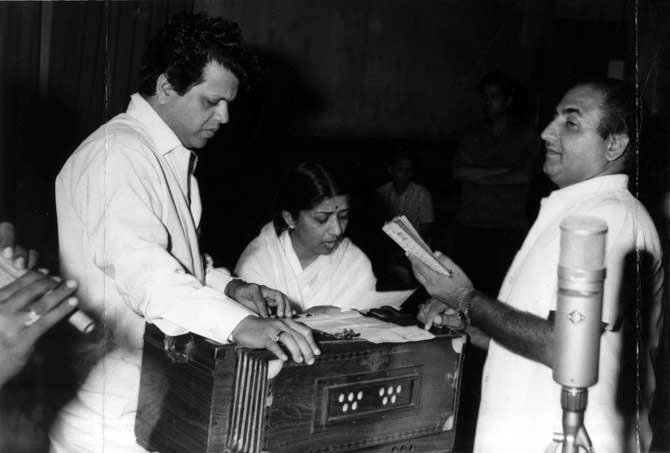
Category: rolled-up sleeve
[131,244]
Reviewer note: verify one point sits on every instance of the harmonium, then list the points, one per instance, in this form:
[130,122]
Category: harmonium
[199,396]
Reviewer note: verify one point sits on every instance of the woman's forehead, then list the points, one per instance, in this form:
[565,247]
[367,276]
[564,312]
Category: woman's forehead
[333,204]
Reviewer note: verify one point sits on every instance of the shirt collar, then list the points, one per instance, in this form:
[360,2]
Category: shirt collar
[161,134]
[589,187]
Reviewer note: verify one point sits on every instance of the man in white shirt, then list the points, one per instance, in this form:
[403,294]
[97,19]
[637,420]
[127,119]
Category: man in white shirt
[588,146]
[128,215]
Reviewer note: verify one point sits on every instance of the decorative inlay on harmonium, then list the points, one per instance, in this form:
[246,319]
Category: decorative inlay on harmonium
[199,396]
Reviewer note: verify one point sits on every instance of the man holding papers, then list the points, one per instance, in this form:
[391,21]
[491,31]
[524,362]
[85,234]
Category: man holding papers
[589,145]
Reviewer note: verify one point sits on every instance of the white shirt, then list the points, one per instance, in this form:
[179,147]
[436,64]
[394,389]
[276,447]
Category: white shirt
[415,202]
[128,211]
[520,404]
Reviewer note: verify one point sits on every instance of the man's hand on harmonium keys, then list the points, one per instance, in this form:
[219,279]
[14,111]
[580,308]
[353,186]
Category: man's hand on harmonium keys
[268,333]
[271,334]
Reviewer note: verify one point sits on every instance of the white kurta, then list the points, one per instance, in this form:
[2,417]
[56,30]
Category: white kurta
[415,202]
[520,405]
[343,278]
[128,211]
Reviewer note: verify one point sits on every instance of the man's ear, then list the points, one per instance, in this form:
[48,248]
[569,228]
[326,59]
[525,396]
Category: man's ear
[616,146]
[288,218]
[164,89]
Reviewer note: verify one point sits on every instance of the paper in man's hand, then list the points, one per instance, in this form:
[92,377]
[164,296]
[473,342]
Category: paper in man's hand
[401,230]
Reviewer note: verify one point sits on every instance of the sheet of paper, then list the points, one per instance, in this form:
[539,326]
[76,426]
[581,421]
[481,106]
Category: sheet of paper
[400,229]
[370,329]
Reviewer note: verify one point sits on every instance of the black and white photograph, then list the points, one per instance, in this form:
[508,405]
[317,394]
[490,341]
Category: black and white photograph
[322,226]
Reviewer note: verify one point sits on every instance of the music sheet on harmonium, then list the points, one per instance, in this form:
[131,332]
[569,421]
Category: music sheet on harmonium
[364,327]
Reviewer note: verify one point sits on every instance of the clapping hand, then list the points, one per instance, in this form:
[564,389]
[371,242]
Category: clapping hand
[29,306]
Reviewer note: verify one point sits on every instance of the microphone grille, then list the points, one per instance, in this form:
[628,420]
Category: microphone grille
[583,242]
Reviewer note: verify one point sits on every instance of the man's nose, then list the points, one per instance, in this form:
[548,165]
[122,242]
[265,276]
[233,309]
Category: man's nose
[221,114]
[550,132]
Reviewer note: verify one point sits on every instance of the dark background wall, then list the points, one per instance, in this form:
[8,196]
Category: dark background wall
[343,80]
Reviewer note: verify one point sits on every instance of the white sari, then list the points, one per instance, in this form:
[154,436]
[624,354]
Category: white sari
[343,278]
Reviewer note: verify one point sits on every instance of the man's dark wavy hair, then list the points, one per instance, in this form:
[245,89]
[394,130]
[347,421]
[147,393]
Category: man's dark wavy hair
[618,112]
[618,106]
[499,79]
[183,47]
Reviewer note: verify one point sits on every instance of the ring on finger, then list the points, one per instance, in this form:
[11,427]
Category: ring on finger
[31,317]
[276,336]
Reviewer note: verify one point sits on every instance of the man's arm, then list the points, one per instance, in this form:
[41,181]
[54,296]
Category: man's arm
[524,170]
[467,169]
[119,197]
[117,194]
[520,173]
[518,331]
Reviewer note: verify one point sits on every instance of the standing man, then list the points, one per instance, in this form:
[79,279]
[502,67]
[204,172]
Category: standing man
[128,214]
[588,147]
[494,164]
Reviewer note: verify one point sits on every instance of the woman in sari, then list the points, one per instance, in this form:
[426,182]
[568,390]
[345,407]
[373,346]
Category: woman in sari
[304,252]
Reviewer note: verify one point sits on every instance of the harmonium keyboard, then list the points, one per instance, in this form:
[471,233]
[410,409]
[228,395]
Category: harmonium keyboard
[199,396]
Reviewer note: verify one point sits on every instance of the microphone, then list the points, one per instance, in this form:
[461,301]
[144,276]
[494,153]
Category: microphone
[577,327]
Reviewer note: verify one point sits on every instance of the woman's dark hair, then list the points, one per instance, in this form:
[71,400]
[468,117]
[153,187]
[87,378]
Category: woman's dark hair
[304,187]
[183,48]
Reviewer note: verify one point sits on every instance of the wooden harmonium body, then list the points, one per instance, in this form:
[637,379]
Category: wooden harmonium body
[198,396]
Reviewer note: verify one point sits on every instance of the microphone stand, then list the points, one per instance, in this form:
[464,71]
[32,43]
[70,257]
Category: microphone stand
[574,438]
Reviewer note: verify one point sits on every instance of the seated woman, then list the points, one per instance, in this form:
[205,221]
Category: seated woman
[304,253]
